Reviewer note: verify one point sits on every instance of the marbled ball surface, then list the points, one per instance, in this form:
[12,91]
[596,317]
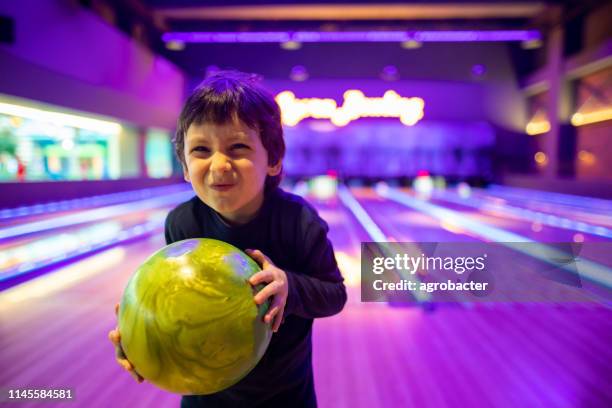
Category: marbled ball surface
[187,318]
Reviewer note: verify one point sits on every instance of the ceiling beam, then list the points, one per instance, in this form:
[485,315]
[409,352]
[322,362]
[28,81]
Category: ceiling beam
[356,12]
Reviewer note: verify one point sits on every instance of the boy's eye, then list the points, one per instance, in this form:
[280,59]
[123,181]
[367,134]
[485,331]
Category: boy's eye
[201,149]
[237,146]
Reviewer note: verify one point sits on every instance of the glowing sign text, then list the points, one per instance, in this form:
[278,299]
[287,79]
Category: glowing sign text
[356,105]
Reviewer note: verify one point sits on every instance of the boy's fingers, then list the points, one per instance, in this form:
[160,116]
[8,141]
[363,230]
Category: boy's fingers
[261,276]
[278,320]
[258,256]
[116,339]
[269,290]
[133,373]
[271,313]
[114,336]
[129,367]
[125,364]
[120,356]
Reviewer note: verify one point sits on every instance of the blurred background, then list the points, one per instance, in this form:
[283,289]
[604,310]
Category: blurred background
[427,121]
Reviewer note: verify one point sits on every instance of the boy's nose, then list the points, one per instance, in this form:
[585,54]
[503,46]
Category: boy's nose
[220,163]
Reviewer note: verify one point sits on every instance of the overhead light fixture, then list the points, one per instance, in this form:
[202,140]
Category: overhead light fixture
[476,36]
[478,70]
[587,157]
[389,73]
[537,128]
[353,36]
[68,144]
[291,45]
[175,45]
[541,159]
[60,119]
[298,73]
[538,124]
[531,44]
[411,44]
[585,118]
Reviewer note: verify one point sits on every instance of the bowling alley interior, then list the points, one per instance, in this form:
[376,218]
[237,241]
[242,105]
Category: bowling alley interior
[476,131]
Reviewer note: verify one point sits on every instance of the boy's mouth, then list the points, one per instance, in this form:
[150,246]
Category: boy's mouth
[221,186]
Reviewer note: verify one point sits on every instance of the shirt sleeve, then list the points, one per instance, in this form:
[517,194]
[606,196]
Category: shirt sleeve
[317,290]
[170,229]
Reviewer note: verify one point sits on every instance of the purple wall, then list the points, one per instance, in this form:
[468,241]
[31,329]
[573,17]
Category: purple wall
[376,149]
[440,73]
[590,188]
[65,55]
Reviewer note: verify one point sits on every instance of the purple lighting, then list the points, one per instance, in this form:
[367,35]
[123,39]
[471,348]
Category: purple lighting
[479,70]
[476,36]
[389,73]
[298,73]
[353,36]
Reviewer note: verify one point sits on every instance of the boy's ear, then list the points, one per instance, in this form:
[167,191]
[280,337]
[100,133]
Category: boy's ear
[186,174]
[275,169]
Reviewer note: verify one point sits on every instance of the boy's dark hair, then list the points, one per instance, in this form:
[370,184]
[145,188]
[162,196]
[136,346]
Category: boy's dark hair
[227,95]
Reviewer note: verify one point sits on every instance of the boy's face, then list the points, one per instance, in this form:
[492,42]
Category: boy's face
[227,166]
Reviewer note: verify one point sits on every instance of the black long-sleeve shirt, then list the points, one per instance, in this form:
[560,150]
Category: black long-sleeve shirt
[291,233]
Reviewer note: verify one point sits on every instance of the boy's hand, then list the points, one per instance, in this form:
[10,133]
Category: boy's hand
[115,337]
[277,286]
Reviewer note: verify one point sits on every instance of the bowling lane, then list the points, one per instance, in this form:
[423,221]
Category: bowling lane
[353,350]
[403,224]
[346,236]
[31,247]
[549,214]
[407,225]
[405,356]
[123,221]
[92,215]
[520,228]
[597,274]
[54,330]
[520,365]
[592,204]
[27,257]
[46,211]
[582,209]
[534,230]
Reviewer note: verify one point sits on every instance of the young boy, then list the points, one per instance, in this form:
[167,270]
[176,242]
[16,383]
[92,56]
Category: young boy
[230,142]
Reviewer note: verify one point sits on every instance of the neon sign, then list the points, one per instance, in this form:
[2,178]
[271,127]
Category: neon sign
[356,105]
